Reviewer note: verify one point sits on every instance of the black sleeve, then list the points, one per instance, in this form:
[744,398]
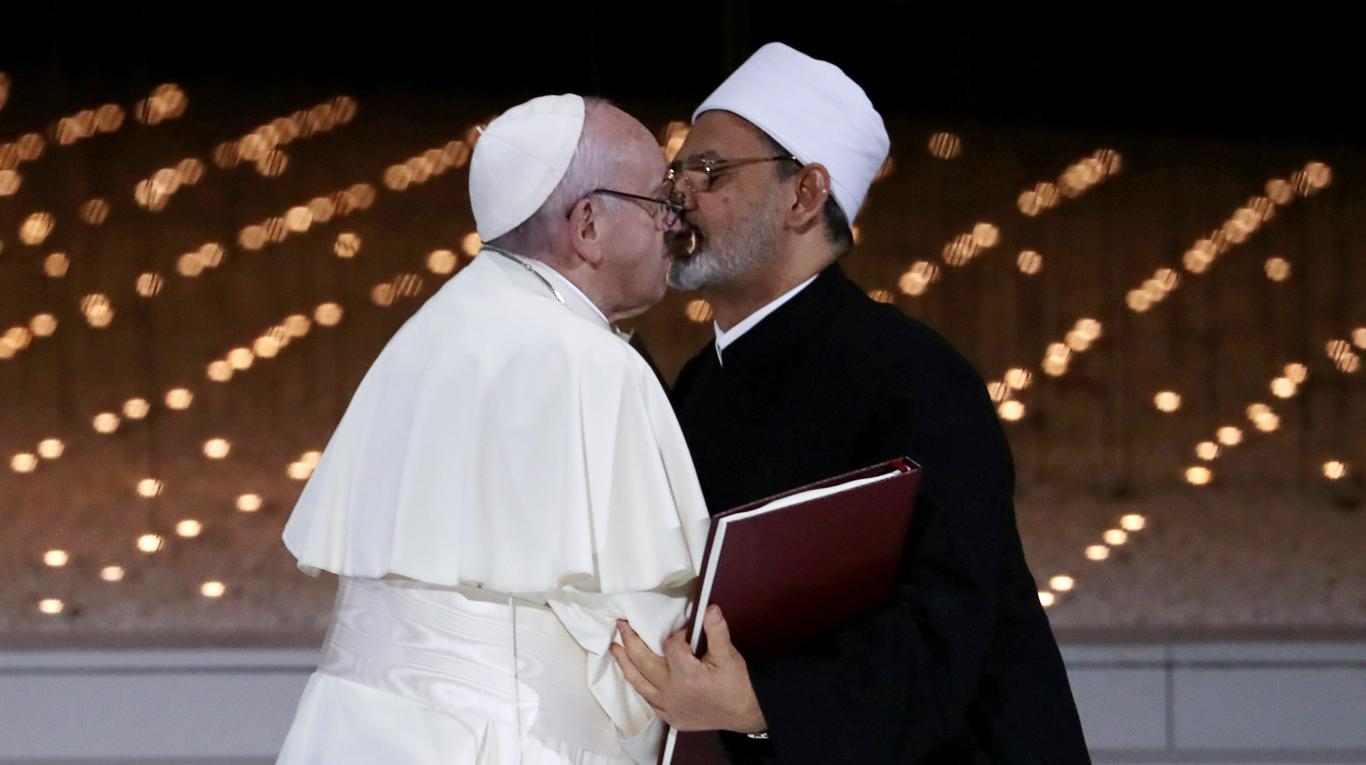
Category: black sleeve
[897,685]
[684,380]
[638,344]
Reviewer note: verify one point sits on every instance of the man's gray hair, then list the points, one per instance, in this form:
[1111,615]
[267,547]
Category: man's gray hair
[592,167]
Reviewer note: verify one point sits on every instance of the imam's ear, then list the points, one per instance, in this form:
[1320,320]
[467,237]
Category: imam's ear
[813,188]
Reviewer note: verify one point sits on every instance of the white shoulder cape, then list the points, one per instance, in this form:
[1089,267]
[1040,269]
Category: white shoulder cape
[504,441]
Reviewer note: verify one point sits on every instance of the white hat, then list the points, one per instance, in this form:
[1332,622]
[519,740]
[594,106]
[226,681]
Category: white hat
[520,158]
[815,111]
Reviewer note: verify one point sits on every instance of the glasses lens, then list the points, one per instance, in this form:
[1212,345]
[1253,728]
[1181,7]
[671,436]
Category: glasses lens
[694,178]
[698,178]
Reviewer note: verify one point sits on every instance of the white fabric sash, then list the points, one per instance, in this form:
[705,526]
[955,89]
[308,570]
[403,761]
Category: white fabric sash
[467,652]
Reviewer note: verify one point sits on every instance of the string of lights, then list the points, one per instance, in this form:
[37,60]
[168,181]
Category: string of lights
[166,102]
[402,286]
[1244,222]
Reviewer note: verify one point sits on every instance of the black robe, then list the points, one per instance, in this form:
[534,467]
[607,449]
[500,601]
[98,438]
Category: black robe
[962,667]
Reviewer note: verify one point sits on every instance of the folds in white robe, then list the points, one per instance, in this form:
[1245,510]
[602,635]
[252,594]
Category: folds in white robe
[513,449]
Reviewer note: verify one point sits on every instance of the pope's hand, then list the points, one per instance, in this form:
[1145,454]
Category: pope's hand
[711,693]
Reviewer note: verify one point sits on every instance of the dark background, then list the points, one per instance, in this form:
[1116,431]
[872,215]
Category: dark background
[1284,73]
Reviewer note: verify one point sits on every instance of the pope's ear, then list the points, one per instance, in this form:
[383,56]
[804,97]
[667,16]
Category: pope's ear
[585,231]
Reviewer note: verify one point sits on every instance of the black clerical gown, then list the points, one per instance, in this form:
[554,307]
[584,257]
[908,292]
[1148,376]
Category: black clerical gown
[962,667]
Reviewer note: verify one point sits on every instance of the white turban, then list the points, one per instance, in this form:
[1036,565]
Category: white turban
[520,158]
[815,111]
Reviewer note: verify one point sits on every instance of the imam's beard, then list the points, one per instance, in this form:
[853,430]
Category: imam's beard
[725,253]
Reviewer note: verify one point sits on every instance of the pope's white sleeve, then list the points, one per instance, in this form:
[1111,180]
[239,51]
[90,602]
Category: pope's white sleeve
[649,524]
[592,619]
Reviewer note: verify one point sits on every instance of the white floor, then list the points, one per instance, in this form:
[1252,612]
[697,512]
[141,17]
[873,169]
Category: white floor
[1262,703]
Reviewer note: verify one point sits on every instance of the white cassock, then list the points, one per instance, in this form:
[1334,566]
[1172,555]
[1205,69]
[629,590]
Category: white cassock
[508,480]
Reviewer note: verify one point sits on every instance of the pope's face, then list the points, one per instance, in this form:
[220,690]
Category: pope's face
[733,225]
[638,257]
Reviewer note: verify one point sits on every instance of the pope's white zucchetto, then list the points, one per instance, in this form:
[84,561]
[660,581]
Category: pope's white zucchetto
[520,158]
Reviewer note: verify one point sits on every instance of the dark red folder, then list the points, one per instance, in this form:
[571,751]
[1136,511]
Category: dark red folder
[797,566]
